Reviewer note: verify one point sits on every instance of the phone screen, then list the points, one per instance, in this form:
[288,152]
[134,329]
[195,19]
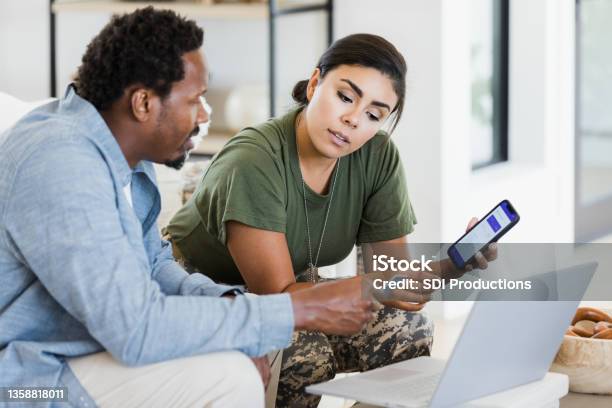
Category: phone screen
[487,230]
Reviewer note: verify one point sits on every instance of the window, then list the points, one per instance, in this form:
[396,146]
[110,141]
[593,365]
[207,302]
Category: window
[594,100]
[593,119]
[489,82]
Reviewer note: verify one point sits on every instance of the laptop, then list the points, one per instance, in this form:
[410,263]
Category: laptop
[503,344]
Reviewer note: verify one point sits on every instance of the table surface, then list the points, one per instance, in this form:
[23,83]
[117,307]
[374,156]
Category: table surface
[571,400]
[574,400]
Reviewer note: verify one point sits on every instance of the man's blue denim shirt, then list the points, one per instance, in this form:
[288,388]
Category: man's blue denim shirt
[81,271]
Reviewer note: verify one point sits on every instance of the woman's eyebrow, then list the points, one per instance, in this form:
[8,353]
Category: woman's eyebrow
[359,92]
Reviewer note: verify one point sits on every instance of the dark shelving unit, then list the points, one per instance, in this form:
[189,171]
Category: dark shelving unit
[274,12]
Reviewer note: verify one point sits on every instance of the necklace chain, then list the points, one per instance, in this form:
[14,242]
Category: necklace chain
[312,272]
[312,267]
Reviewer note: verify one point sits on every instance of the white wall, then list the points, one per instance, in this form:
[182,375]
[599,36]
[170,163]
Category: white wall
[24,48]
[539,178]
[415,28]
[433,136]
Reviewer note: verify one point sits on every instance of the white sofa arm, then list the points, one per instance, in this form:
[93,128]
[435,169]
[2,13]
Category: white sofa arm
[12,109]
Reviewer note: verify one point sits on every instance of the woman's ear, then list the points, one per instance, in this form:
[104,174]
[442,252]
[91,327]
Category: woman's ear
[312,83]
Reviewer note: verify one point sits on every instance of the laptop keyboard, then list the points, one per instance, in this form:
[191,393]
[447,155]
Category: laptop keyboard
[418,389]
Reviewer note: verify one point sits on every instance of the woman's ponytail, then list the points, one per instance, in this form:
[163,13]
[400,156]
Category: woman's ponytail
[299,93]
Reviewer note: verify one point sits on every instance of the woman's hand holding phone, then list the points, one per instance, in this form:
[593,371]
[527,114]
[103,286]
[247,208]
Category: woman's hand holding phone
[477,247]
[482,258]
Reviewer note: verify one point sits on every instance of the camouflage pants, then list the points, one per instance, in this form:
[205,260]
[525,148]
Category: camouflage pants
[312,357]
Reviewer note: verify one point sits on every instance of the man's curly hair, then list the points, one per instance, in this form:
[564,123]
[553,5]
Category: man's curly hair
[144,47]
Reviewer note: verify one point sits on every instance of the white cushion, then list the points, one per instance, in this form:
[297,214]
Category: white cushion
[13,109]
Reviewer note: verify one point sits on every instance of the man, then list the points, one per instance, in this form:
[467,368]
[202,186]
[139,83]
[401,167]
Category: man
[89,292]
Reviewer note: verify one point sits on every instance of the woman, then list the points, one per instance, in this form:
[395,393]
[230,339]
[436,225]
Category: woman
[298,192]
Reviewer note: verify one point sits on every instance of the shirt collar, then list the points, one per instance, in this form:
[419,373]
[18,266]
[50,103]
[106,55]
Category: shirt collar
[87,115]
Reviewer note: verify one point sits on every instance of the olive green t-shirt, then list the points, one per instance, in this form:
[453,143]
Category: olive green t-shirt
[256,180]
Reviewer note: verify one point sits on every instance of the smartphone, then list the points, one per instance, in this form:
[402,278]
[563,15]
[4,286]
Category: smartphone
[489,229]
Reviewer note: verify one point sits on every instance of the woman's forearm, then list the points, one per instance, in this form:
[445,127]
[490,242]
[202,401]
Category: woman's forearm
[445,269]
[295,286]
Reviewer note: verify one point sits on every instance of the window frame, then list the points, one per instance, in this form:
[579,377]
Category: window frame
[499,83]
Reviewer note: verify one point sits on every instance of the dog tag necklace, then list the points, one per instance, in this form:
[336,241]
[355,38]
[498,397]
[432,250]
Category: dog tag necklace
[312,274]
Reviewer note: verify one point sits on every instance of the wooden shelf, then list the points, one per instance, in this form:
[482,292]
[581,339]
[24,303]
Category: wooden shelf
[236,11]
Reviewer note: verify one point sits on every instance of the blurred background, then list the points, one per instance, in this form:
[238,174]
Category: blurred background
[506,98]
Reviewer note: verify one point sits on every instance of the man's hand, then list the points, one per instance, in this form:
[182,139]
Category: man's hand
[337,307]
[263,366]
[407,291]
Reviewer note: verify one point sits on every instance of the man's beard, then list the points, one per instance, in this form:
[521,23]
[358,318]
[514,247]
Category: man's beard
[177,164]
[196,136]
